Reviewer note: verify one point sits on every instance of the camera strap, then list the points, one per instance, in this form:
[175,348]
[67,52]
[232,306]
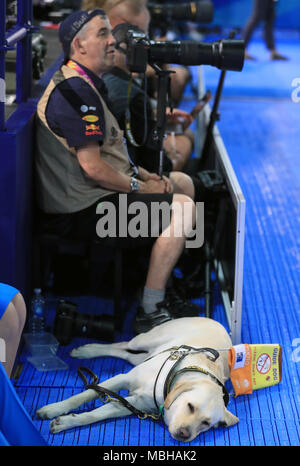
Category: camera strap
[107,395]
[128,115]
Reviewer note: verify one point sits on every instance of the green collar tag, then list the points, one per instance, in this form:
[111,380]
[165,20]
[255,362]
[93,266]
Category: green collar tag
[162,410]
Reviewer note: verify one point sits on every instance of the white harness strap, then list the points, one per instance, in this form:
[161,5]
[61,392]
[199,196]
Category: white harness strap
[158,390]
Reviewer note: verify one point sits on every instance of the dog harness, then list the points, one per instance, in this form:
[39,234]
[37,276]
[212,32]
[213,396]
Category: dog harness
[162,385]
[168,372]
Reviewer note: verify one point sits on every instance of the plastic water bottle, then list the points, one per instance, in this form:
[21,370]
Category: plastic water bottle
[37,312]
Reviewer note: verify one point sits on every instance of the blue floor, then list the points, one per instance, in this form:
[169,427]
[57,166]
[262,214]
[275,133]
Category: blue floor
[260,128]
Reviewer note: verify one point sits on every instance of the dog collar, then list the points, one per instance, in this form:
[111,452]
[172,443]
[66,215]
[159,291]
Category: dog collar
[162,410]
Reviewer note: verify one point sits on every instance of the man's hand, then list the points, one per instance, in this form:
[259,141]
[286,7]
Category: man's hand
[144,175]
[153,176]
[157,185]
[153,186]
[147,176]
[168,186]
[179,116]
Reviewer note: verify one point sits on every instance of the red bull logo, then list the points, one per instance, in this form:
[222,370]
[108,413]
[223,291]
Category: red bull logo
[92,127]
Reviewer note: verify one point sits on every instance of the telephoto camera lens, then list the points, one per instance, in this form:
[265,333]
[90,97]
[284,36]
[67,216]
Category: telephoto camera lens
[226,54]
[201,12]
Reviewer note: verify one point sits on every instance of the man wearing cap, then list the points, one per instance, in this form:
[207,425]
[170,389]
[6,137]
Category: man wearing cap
[133,110]
[82,159]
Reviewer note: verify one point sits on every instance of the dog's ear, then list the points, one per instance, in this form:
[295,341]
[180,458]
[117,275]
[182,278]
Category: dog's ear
[176,391]
[229,419]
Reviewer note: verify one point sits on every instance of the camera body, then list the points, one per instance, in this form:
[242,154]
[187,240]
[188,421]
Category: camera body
[69,323]
[137,51]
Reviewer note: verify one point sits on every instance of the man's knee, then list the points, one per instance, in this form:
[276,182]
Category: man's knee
[184,209]
[182,184]
[183,198]
[181,75]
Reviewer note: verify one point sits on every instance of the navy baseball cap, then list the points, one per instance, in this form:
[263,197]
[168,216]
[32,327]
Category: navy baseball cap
[72,24]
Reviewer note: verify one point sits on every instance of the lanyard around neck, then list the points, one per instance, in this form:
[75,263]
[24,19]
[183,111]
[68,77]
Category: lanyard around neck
[74,66]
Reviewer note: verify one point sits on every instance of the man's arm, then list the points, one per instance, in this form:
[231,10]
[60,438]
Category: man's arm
[90,160]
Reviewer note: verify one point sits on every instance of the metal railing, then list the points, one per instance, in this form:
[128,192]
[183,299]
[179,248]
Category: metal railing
[19,36]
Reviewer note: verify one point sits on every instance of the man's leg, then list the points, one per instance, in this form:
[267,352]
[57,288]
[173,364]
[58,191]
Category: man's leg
[170,244]
[178,149]
[269,25]
[182,184]
[269,32]
[178,82]
[164,256]
[252,23]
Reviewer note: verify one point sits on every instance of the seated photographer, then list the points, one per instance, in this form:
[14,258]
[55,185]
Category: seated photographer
[137,13]
[133,110]
[82,161]
[12,321]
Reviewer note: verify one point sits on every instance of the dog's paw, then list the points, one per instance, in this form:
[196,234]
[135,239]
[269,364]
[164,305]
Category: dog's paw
[57,425]
[86,351]
[62,423]
[49,411]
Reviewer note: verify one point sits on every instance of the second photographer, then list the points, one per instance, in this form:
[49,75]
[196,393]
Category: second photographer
[133,110]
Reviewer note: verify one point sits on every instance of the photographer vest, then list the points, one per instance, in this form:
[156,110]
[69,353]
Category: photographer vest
[62,185]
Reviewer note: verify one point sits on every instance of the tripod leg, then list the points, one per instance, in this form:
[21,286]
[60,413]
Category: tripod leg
[208,282]
[214,116]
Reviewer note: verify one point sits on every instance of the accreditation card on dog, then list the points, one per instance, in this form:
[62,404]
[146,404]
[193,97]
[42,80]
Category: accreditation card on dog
[254,366]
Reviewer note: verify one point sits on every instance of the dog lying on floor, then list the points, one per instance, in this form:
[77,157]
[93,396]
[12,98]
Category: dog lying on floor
[177,367]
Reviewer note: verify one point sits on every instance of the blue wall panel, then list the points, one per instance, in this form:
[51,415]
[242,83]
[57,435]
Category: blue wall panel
[16,191]
[7,206]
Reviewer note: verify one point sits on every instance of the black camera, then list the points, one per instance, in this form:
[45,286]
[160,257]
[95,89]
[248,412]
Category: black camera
[201,12]
[69,323]
[225,54]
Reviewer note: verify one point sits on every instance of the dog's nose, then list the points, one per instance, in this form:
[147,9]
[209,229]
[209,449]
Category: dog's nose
[183,433]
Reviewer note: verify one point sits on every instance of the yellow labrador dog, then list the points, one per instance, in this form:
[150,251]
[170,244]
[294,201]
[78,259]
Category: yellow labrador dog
[178,371]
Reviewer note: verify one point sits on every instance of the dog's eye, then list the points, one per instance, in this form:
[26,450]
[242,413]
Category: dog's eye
[191,407]
[205,423]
